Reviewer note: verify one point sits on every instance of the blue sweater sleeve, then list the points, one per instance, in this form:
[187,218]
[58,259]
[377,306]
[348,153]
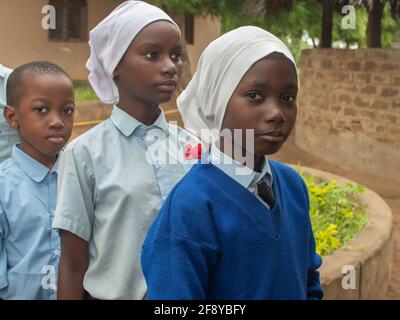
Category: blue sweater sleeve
[176,269]
[314,288]
[179,251]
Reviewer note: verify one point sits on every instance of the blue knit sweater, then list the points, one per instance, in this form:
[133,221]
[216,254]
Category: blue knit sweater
[213,239]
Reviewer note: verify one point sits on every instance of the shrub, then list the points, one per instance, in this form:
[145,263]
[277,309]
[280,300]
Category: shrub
[84,93]
[336,213]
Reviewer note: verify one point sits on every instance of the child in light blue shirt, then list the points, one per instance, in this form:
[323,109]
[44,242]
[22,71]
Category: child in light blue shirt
[40,107]
[115,177]
[8,135]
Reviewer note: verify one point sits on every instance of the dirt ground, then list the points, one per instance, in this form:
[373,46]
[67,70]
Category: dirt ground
[387,189]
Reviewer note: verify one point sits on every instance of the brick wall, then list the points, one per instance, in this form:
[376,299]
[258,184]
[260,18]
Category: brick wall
[349,108]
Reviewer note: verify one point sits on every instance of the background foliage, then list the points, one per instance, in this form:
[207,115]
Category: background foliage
[336,213]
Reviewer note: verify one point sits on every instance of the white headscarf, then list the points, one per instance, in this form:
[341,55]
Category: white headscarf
[110,39]
[221,67]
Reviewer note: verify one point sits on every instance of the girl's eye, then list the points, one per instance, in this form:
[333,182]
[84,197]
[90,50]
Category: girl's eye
[176,56]
[289,99]
[254,96]
[151,55]
[69,110]
[41,109]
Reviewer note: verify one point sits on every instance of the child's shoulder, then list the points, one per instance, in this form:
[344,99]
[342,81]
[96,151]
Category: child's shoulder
[11,178]
[200,184]
[193,179]
[189,204]
[288,177]
[94,137]
[184,135]
[283,168]
[5,167]
[196,181]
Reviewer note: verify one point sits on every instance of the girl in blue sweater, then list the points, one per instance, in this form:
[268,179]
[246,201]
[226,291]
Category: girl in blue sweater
[237,227]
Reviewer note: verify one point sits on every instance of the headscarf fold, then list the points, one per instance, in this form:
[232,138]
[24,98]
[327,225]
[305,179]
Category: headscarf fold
[221,67]
[110,39]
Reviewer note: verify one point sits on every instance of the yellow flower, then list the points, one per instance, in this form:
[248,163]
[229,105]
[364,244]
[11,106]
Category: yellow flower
[349,215]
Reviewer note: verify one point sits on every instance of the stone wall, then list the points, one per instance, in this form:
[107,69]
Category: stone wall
[349,108]
[361,269]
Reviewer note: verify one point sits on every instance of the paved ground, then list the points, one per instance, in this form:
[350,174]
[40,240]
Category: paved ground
[388,190]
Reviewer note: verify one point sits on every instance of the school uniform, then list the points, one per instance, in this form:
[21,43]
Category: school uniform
[113,180]
[8,136]
[216,239]
[248,178]
[221,235]
[29,248]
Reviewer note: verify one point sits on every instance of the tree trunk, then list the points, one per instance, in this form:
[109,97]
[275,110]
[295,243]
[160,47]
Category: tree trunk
[313,42]
[374,24]
[327,21]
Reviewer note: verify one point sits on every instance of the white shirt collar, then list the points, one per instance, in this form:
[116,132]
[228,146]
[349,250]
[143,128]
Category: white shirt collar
[239,172]
[128,124]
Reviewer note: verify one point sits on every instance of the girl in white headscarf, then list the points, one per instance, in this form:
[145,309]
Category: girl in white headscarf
[225,232]
[111,184]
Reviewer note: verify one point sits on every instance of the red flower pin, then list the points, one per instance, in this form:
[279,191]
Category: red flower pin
[192,152]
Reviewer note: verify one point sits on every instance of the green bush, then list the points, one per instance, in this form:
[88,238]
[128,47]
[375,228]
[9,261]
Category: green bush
[336,214]
[84,93]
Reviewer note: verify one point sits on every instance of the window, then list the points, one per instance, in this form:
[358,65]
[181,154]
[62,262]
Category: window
[71,20]
[189,28]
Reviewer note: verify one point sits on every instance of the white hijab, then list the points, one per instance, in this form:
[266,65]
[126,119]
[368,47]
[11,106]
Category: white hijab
[221,67]
[110,39]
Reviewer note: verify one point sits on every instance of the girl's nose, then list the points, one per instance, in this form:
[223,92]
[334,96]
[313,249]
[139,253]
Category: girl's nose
[273,111]
[169,66]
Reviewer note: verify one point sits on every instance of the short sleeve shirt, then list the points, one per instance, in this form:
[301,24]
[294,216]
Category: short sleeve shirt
[113,180]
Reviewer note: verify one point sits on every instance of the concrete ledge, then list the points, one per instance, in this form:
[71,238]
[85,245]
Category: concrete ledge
[370,252]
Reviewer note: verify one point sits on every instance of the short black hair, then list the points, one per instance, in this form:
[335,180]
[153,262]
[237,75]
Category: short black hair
[15,88]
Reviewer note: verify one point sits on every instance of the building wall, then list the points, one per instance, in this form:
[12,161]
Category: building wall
[349,108]
[23,39]
[206,29]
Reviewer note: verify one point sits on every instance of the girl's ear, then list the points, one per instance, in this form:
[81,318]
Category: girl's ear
[115,74]
[11,117]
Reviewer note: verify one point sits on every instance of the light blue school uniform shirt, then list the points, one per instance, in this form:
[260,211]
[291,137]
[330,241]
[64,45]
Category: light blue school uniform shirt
[29,247]
[240,173]
[8,135]
[113,180]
